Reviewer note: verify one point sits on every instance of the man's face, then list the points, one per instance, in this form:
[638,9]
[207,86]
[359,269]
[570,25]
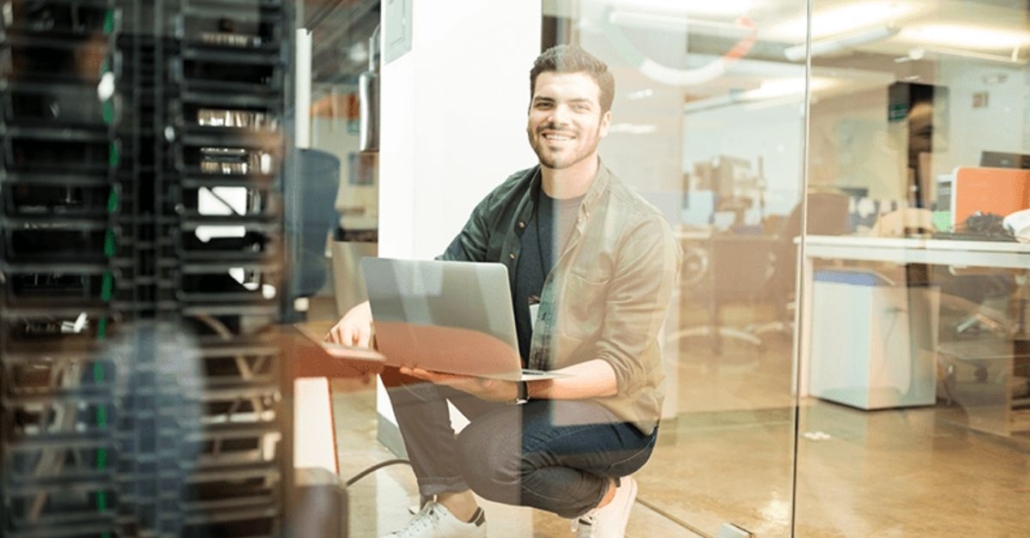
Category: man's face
[565,119]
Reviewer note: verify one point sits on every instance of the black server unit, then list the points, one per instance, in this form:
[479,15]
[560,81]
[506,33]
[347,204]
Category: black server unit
[143,148]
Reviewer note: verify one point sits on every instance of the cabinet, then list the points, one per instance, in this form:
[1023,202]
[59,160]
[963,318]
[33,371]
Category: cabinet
[872,342]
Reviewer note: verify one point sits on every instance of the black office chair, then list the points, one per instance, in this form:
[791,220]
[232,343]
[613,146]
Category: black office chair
[827,215]
[975,303]
[738,268]
[966,293]
[752,268]
[309,216]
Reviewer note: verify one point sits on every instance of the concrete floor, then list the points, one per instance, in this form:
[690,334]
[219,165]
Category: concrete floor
[729,456]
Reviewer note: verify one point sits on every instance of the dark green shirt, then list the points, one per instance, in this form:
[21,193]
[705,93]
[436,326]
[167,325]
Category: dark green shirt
[609,290]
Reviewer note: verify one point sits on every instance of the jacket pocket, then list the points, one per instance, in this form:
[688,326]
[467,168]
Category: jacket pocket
[581,306]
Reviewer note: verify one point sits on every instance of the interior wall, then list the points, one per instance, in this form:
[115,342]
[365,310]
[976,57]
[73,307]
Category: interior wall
[750,131]
[853,145]
[1002,123]
[644,143]
[453,118]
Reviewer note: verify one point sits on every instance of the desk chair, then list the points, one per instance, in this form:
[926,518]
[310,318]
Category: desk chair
[827,215]
[970,295]
[309,216]
[967,322]
[965,292]
[738,268]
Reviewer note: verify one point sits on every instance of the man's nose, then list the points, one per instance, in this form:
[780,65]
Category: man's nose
[560,114]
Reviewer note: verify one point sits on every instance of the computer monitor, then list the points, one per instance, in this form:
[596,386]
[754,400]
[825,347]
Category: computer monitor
[998,159]
[731,177]
[993,191]
[729,171]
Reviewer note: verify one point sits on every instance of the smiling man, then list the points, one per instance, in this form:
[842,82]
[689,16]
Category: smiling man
[592,269]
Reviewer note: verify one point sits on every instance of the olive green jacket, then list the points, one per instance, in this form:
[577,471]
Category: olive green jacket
[608,293]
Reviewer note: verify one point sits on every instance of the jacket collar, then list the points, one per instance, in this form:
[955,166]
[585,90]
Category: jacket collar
[596,190]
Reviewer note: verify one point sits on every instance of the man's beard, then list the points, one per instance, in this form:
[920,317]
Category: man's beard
[549,159]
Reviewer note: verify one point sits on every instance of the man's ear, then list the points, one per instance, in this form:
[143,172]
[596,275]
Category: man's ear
[606,120]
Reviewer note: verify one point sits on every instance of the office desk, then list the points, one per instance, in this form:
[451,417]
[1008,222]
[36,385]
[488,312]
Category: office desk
[901,251]
[993,254]
[915,250]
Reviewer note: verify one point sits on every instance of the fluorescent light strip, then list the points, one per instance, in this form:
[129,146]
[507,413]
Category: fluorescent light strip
[674,23]
[843,19]
[723,8]
[837,44]
[963,36]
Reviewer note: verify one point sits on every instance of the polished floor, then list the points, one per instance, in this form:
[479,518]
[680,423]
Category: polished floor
[729,456]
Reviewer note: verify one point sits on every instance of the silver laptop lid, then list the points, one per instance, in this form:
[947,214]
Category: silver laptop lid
[445,316]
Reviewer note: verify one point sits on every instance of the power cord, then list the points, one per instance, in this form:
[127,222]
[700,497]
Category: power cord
[373,469]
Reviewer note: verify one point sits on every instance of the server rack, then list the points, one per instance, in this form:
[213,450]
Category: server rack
[143,146]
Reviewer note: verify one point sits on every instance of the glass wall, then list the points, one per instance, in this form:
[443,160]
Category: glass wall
[847,353]
[914,371]
[708,125]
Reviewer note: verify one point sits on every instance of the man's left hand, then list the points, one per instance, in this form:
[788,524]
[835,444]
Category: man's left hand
[494,390]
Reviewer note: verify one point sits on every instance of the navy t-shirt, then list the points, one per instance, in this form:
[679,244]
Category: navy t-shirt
[542,241]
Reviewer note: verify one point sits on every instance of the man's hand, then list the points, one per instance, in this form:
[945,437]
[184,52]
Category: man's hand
[493,390]
[354,329]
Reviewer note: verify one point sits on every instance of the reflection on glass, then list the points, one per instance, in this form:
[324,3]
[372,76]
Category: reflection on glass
[914,357]
[243,119]
[709,126]
[234,161]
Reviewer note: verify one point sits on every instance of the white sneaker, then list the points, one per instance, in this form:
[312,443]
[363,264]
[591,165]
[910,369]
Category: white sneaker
[610,521]
[436,521]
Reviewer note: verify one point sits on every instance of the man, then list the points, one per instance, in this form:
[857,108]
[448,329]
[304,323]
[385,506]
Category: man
[592,268]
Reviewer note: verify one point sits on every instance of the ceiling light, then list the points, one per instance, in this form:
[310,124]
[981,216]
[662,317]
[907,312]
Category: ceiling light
[1013,58]
[843,19]
[776,92]
[837,44]
[675,23]
[632,128]
[723,8]
[640,94]
[771,89]
[965,36]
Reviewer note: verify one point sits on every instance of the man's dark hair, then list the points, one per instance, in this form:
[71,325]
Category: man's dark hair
[572,59]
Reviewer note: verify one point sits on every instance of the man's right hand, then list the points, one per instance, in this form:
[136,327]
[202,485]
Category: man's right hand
[354,329]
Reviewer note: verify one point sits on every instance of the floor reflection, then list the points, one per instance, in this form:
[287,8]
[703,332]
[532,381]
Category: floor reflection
[728,457]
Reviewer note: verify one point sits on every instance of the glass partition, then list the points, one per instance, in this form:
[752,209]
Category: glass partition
[913,363]
[709,126]
[847,352]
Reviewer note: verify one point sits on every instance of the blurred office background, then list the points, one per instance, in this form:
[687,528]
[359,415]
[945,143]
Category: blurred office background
[847,351]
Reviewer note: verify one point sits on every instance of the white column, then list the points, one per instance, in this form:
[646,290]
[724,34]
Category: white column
[453,118]
[453,123]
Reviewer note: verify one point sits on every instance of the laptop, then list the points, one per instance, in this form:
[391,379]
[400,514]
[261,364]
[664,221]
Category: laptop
[443,316]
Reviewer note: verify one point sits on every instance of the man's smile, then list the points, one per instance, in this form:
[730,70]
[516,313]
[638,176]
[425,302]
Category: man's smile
[556,136]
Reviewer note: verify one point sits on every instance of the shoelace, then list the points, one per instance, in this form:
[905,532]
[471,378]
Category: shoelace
[587,521]
[421,522]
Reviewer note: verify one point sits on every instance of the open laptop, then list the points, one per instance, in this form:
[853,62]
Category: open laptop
[452,317]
